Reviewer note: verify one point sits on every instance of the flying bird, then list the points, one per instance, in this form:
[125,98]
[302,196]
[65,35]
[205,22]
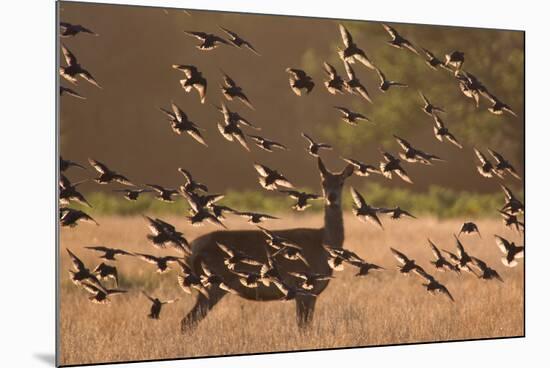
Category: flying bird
[440,132]
[428,107]
[107,175]
[209,41]
[163,194]
[361,168]
[364,211]
[415,155]
[71,217]
[512,205]
[399,41]
[353,84]
[255,217]
[156,307]
[232,257]
[191,185]
[391,165]
[455,59]
[271,179]
[432,285]
[68,192]
[100,295]
[337,257]
[188,280]
[106,271]
[503,166]
[308,280]
[511,251]
[468,228]
[71,92]
[109,253]
[71,30]
[498,107]
[365,267]
[267,144]
[80,272]
[180,124]
[396,212]
[74,69]
[385,83]
[487,273]
[231,90]
[162,263]
[193,79]
[132,194]
[335,84]
[238,41]
[352,52]
[486,169]
[512,221]
[299,80]
[351,117]
[301,198]
[433,62]
[441,263]
[407,264]
[64,165]
[314,147]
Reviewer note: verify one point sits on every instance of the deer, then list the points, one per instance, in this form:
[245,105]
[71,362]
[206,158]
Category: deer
[206,251]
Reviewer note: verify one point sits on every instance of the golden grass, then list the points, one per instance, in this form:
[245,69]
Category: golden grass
[384,308]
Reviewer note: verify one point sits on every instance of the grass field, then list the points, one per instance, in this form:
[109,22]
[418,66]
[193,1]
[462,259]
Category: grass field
[384,308]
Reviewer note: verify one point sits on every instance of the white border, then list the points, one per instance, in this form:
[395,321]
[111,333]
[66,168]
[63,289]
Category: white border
[27,156]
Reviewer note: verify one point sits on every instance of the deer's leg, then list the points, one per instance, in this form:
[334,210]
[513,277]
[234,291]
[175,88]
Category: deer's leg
[202,306]
[305,306]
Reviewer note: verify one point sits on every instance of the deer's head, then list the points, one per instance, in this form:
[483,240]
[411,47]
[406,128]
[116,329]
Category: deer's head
[333,183]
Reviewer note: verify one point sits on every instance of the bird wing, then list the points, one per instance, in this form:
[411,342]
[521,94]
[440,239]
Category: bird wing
[403,143]
[148,258]
[503,244]
[435,250]
[357,198]
[401,258]
[70,59]
[296,73]
[77,263]
[86,75]
[329,69]
[226,249]
[98,166]
[346,36]
[390,30]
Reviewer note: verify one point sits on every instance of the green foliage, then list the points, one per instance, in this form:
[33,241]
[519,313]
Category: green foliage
[436,201]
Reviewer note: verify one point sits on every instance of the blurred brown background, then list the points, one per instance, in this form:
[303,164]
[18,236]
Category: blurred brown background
[122,126]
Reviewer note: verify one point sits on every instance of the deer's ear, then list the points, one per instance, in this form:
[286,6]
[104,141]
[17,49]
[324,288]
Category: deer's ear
[347,172]
[322,167]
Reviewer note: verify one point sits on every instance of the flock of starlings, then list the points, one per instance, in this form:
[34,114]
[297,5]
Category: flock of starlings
[204,207]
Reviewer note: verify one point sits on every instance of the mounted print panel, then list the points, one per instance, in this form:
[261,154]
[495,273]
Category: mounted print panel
[235,183]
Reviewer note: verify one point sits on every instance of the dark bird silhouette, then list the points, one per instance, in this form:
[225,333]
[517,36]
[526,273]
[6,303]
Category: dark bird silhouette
[468,228]
[188,280]
[232,257]
[231,90]
[156,307]
[290,292]
[511,251]
[191,185]
[393,165]
[364,211]
[433,62]
[208,279]
[109,253]
[399,41]
[441,132]
[107,175]
[385,83]
[428,107]
[292,252]
[255,217]
[365,267]
[193,79]
[238,41]
[335,84]
[275,241]
[209,41]
[202,215]
[299,80]
[161,263]
[512,221]
[487,273]
[164,234]
[352,52]
[71,92]
[414,155]
[486,169]
[314,147]
[441,263]
[337,257]
[361,168]
[407,264]
[512,204]
[396,212]
[74,69]
[180,124]
[302,198]
[432,285]
[68,192]
[267,144]
[230,129]
[163,194]
[351,117]
[308,280]
[271,179]
[132,194]
[71,30]
[503,166]
[71,217]
[105,271]
[461,258]
[455,59]
[80,272]
[498,107]
[353,84]
[100,295]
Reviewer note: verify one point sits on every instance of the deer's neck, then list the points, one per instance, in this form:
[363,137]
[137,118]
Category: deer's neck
[333,231]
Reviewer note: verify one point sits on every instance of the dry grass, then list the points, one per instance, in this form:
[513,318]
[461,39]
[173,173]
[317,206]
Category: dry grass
[385,308]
